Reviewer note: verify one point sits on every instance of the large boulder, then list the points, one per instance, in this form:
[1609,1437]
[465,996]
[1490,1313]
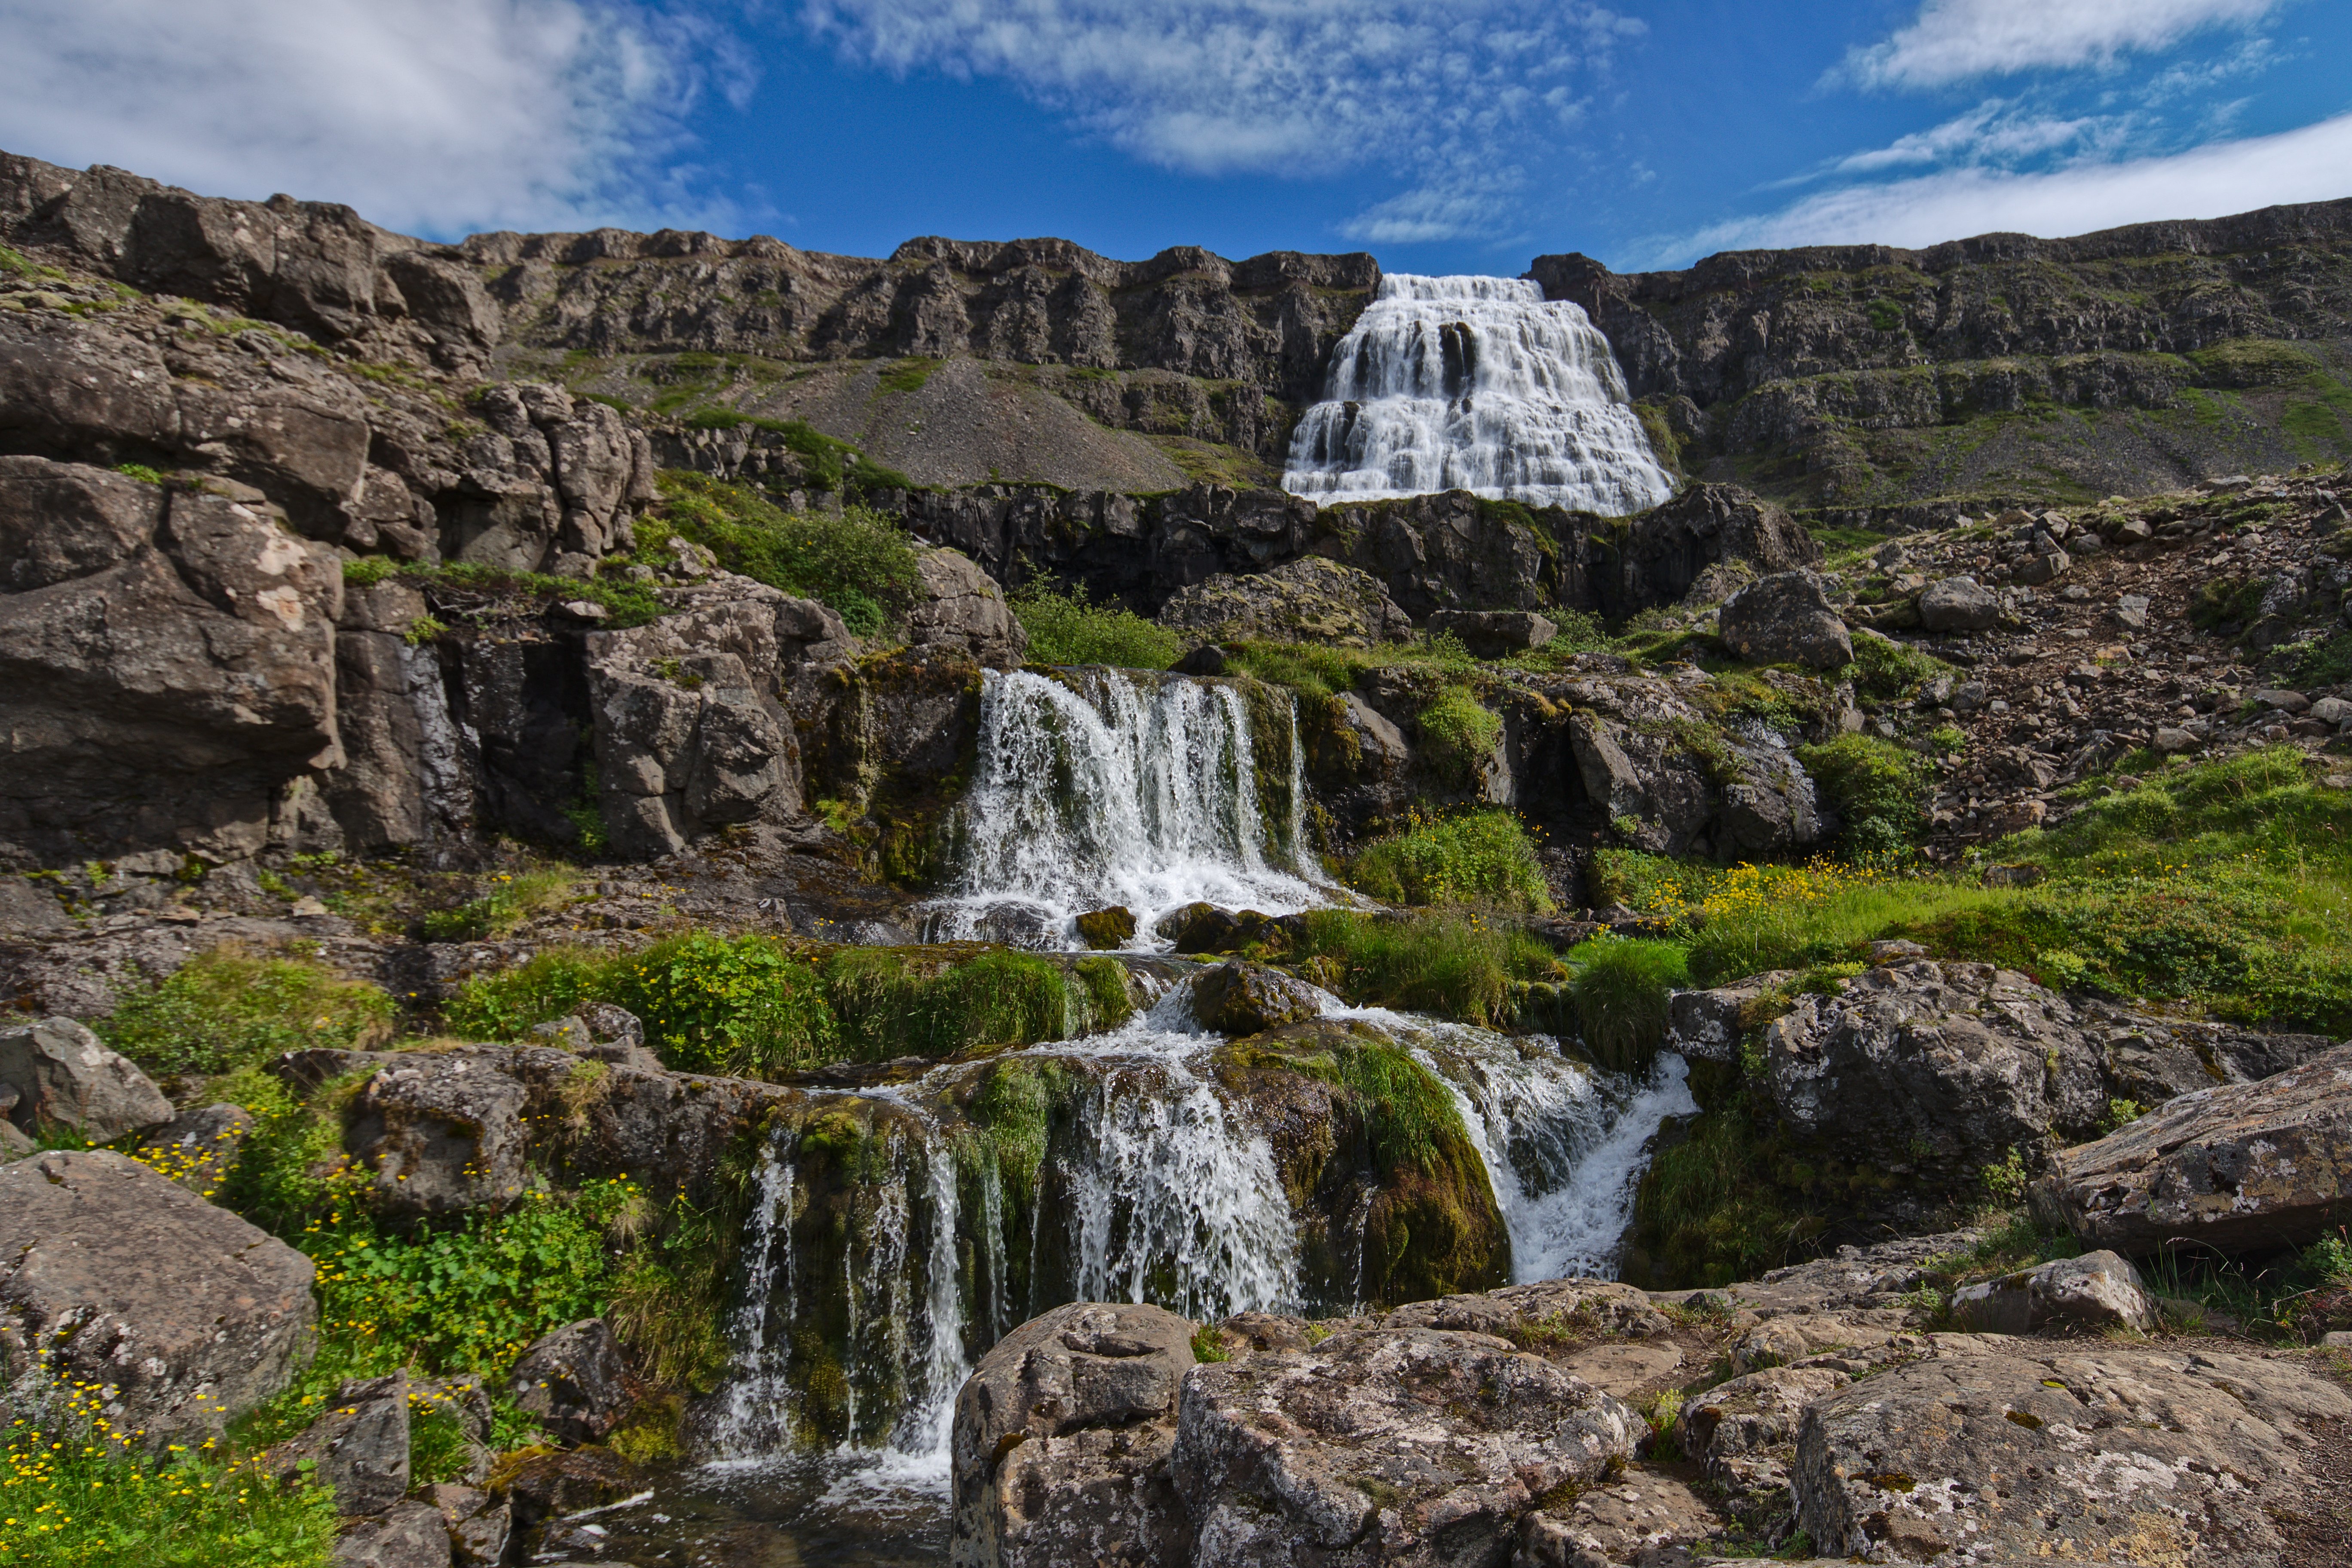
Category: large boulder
[1494,634]
[64,1076]
[1743,1432]
[1310,600]
[1958,605]
[2236,1167]
[1061,1442]
[962,609]
[1240,998]
[1993,1452]
[176,1315]
[1783,619]
[2096,1291]
[441,1132]
[573,1382]
[1365,1450]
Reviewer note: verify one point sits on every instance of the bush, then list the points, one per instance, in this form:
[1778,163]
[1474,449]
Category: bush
[858,562]
[1877,789]
[1453,965]
[1485,857]
[229,1008]
[739,1005]
[1458,734]
[1619,991]
[1068,628]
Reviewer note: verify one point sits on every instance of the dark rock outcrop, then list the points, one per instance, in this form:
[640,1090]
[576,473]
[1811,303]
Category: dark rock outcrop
[572,1382]
[358,1448]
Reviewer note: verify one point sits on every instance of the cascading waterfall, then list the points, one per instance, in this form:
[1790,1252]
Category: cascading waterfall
[1475,384]
[1092,790]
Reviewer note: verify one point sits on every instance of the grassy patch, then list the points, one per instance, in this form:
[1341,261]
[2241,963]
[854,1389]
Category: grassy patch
[858,562]
[908,375]
[1069,628]
[1483,858]
[1458,734]
[831,464]
[625,604]
[510,902]
[230,1008]
[1455,966]
[1619,993]
[1879,791]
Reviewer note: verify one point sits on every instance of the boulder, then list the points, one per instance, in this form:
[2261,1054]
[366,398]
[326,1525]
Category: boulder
[357,1448]
[182,1315]
[2237,1167]
[1742,1433]
[1061,1442]
[407,1535]
[1104,929]
[442,1133]
[478,1528]
[29,908]
[1992,1452]
[1707,1026]
[1310,600]
[1206,928]
[1783,619]
[573,1382]
[2097,1290]
[196,1148]
[603,1033]
[1958,605]
[1494,634]
[1364,1448]
[962,609]
[65,1076]
[1239,998]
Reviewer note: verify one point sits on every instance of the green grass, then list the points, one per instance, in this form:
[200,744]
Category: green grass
[1458,734]
[1483,858]
[832,465]
[1069,628]
[1455,966]
[228,1008]
[1877,789]
[1620,994]
[858,562]
[625,604]
[512,901]
[908,375]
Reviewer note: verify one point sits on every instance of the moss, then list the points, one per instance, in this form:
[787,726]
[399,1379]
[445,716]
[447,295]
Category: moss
[1458,734]
[1113,927]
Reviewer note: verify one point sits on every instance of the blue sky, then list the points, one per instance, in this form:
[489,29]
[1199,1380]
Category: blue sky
[1468,136]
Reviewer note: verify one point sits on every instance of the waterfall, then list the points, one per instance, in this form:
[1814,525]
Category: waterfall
[1093,790]
[1477,383]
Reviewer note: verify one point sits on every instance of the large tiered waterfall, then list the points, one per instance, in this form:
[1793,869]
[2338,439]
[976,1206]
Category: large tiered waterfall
[1475,384]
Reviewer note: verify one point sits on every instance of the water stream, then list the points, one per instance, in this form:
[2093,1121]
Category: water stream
[1475,384]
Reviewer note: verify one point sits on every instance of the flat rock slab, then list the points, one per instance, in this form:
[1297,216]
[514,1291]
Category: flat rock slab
[1994,1449]
[115,1276]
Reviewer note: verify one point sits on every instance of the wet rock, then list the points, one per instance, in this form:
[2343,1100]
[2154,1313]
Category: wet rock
[1785,618]
[408,1535]
[442,1133]
[573,1383]
[196,1148]
[1958,605]
[2097,1290]
[1310,600]
[1062,1438]
[963,610]
[2264,1164]
[357,1448]
[1106,928]
[1238,998]
[2146,1454]
[65,1076]
[1206,928]
[1494,634]
[1208,659]
[112,1276]
[1357,1448]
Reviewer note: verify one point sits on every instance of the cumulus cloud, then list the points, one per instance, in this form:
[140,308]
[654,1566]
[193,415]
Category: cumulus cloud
[1957,40]
[1287,87]
[2310,164]
[433,115]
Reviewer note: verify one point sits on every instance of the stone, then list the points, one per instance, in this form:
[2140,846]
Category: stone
[14,1145]
[196,1148]
[1288,1457]
[552,1484]
[442,1133]
[1742,1433]
[1239,998]
[1106,928]
[1958,605]
[1309,600]
[2046,566]
[2130,612]
[1494,634]
[357,1448]
[1061,1441]
[2282,701]
[2126,1455]
[2171,740]
[65,1076]
[407,1535]
[2333,711]
[2237,1167]
[2097,1290]
[1601,1307]
[1208,659]
[1707,1026]
[1668,548]
[1785,618]
[962,609]
[604,1033]
[1204,927]
[28,908]
[572,1382]
[115,1276]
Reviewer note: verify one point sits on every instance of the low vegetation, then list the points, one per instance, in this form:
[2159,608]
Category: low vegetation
[1067,629]
[230,1008]
[1455,966]
[1485,859]
[858,562]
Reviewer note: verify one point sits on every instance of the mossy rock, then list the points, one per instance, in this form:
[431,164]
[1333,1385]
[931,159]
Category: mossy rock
[1106,928]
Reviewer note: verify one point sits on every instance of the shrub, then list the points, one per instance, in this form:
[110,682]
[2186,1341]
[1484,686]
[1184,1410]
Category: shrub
[1876,788]
[738,1005]
[1456,966]
[1069,628]
[1619,990]
[229,1008]
[859,562]
[1458,734]
[1483,858]
[549,984]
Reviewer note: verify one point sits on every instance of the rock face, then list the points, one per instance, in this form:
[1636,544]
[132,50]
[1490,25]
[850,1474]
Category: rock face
[1494,634]
[61,1074]
[2185,1455]
[1665,549]
[573,1382]
[1239,998]
[111,1275]
[2237,1167]
[963,611]
[1785,618]
[2097,1290]
[442,1133]
[1310,600]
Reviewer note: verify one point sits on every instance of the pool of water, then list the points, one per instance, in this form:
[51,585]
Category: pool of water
[780,1513]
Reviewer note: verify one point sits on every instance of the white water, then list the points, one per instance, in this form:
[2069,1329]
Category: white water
[1475,384]
[1093,790]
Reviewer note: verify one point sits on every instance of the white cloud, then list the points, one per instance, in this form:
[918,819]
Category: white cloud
[436,115]
[1955,40]
[1992,133]
[2311,165]
[1422,88]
